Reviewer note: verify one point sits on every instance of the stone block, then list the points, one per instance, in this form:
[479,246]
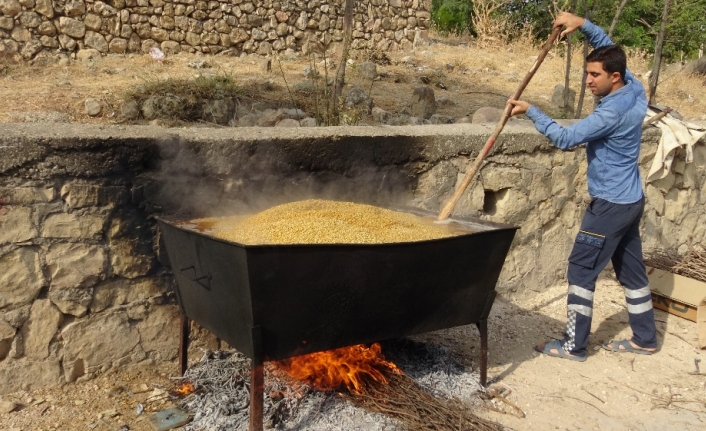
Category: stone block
[87,348]
[75,265]
[487,114]
[507,205]
[435,183]
[654,198]
[159,332]
[7,334]
[558,98]
[675,204]
[21,277]
[16,225]
[72,301]
[28,374]
[84,195]
[423,102]
[130,258]
[16,317]
[41,327]
[65,225]
[119,291]
[500,177]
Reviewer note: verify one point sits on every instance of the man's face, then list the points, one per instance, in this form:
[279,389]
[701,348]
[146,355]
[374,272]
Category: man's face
[598,80]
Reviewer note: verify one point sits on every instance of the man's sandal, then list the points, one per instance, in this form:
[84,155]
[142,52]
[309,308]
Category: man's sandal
[556,345]
[624,346]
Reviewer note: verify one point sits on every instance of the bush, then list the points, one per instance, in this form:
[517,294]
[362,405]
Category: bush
[451,16]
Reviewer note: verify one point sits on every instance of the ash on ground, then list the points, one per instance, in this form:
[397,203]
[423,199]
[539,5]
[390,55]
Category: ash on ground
[222,381]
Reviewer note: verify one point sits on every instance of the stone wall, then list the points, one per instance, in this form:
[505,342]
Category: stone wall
[263,26]
[82,286]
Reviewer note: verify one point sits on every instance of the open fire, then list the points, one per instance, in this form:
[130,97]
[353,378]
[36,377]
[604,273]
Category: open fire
[350,366]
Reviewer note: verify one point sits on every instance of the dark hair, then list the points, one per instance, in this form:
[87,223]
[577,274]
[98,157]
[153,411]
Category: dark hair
[612,57]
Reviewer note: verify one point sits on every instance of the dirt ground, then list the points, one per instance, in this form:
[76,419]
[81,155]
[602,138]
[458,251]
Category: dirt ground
[608,392]
[463,75]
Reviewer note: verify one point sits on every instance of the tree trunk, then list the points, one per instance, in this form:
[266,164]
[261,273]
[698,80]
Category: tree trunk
[589,14]
[568,107]
[658,52]
[341,73]
[615,18]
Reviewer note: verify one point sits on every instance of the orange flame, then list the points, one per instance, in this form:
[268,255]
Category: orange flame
[185,389]
[349,366]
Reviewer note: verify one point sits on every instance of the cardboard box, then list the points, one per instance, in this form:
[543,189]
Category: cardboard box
[681,296]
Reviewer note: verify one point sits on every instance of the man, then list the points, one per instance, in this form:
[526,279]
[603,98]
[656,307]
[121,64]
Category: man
[610,226]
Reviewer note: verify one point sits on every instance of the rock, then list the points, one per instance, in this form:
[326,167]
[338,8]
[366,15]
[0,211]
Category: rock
[218,111]
[512,76]
[380,115]
[423,102]
[39,330]
[444,101]
[269,118]
[71,225]
[266,65]
[45,8]
[131,258]
[87,54]
[292,113]
[21,277]
[7,406]
[159,332]
[26,374]
[368,70]
[96,40]
[287,122]
[72,27]
[130,110]
[696,67]
[119,291]
[67,43]
[16,317]
[441,119]
[558,98]
[308,122]
[72,301]
[7,23]
[357,98]
[118,45]
[10,7]
[16,225]
[74,265]
[248,120]
[500,177]
[87,348]
[310,73]
[487,114]
[463,120]
[93,107]
[30,19]
[421,38]
[76,8]
[82,195]
[7,334]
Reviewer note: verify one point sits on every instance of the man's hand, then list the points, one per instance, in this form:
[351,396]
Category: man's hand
[518,107]
[571,21]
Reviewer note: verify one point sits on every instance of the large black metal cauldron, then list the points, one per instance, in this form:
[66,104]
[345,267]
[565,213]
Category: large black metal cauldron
[276,301]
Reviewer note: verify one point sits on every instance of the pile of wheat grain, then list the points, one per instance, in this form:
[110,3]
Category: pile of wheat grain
[325,222]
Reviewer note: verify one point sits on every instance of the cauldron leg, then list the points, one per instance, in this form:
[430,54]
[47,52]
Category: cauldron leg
[184,344]
[257,382]
[483,329]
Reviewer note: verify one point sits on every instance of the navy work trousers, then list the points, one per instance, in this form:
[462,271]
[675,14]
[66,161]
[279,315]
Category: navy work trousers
[609,232]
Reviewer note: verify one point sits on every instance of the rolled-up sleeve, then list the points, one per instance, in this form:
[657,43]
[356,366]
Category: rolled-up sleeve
[599,124]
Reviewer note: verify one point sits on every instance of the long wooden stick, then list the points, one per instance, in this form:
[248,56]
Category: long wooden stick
[471,173]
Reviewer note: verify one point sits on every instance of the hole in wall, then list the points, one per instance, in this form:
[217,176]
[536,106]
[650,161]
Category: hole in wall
[491,199]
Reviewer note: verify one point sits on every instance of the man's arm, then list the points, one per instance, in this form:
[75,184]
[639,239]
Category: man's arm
[596,36]
[599,124]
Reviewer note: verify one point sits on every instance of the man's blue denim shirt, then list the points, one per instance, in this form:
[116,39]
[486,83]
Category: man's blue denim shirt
[612,133]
